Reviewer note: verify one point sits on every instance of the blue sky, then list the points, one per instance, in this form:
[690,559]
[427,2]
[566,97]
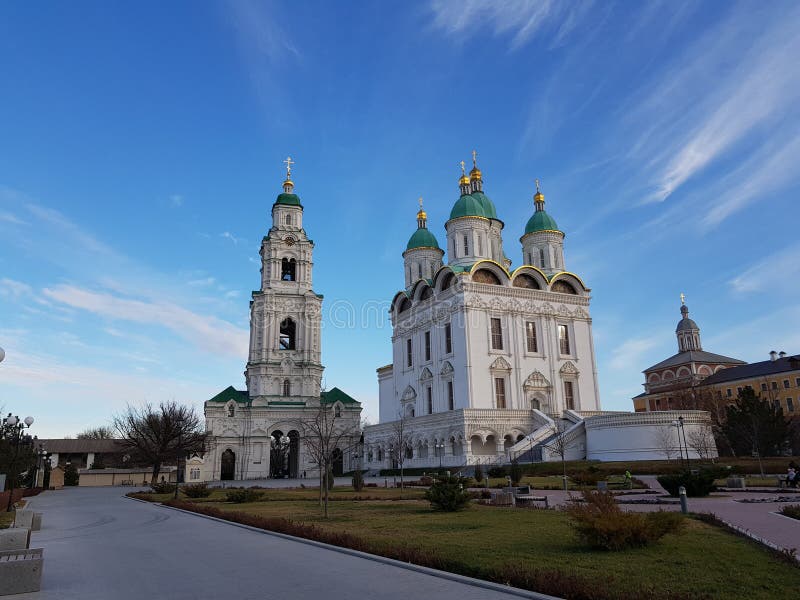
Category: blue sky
[141,148]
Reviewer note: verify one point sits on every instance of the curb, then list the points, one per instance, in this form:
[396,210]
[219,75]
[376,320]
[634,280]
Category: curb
[747,533]
[471,581]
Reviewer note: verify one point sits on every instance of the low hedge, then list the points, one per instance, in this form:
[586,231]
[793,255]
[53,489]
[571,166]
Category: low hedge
[698,483]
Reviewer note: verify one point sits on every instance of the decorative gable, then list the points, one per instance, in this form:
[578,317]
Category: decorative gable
[569,369]
[426,374]
[409,394]
[447,368]
[536,380]
[500,364]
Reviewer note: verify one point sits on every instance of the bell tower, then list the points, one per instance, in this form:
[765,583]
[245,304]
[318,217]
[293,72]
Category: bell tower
[284,361]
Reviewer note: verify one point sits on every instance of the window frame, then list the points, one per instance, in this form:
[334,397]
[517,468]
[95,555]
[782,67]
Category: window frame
[565,340]
[409,353]
[451,395]
[427,338]
[448,338]
[530,327]
[496,336]
[500,382]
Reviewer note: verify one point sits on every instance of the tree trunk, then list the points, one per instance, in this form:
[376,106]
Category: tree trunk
[156,471]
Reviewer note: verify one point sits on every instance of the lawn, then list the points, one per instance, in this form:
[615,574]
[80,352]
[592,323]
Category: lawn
[6,519]
[703,561]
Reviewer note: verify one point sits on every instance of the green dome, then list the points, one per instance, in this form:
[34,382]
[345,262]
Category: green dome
[422,238]
[488,205]
[290,199]
[468,206]
[541,221]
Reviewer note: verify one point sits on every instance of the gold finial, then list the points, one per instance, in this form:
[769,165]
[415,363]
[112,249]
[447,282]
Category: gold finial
[463,180]
[538,190]
[475,159]
[288,162]
[475,174]
[422,216]
[683,299]
[463,171]
[538,196]
[420,202]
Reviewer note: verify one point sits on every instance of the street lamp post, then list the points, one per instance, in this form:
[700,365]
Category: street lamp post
[439,450]
[678,424]
[14,430]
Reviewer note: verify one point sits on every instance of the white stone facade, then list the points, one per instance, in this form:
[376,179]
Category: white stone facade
[259,433]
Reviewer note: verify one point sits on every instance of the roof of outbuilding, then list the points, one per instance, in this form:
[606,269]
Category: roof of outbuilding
[757,369]
[336,395]
[230,393]
[690,356]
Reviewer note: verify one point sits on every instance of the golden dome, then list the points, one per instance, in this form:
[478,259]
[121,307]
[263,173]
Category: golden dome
[538,196]
[463,180]
[475,173]
[422,214]
[288,182]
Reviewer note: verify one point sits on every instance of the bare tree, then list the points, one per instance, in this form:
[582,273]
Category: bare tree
[665,439]
[323,433]
[701,441]
[103,432]
[557,444]
[157,435]
[401,442]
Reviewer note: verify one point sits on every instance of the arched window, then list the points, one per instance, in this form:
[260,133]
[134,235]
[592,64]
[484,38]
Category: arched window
[288,269]
[289,219]
[287,387]
[541,257]
[419,271]
[288,339]
[562,287]
[337,411]
[231,410]
[485,276]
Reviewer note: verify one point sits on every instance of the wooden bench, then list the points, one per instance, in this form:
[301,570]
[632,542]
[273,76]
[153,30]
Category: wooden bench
[21,571]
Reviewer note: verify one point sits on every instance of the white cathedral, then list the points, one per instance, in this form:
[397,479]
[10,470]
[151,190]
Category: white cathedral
[491,364]
[260,432]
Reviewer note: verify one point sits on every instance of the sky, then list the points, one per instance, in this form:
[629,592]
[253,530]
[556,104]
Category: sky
[141,147]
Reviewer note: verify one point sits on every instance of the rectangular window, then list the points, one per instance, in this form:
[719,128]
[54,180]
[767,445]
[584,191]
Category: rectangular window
[450,396]
[530,336]
[466,245]
[786,383]
[500,392]
[658,401]
[563,339]
[569,396]
[448,339]
[790,405]
[497,334]
[429,399]
[763,387]
[774,385]
[409,356]
[427,345]
[777,403]
[480,245]
[729,393]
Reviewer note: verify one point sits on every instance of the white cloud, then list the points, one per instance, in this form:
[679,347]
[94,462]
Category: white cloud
[630,353]
[524,19]
[777,271]
[16,289]
[205,281]
[229,236]
[176,200]
[11,218]
[206,332]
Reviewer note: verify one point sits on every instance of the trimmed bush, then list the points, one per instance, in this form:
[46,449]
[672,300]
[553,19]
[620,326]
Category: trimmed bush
[515,472]
[600,523]
[697,484]
[71,475]
[162,487]
[241,495]
[448,494]
[478,474]
[196,490]
[791,510]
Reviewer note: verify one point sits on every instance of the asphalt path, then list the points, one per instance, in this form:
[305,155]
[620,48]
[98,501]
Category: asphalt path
[99,545]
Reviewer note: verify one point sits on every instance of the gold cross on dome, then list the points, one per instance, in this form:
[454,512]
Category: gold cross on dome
[420,202]
[474,158]
[288,162]
[683,299]
[538,190]
[463,172]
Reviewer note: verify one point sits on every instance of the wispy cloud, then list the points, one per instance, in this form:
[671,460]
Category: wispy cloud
[176,200]
[229,236]
[16,289]
[630,353]
[775,272]
[206,332]
[11,218]
[205,281]
[523,19]
[685,126]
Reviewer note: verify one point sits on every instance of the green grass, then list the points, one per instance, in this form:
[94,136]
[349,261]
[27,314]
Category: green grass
[752,481]
[6,519]
[702,561]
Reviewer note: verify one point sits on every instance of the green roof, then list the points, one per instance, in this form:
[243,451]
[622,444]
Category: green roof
[422,238]
[229,393]
[541,221]
[337,395]
[468,206]
[488,205]
[290,199]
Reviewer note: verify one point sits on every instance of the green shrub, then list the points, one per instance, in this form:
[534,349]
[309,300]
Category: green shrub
[478,474]
[71,475]
[699,483]
[448,494]
[791,510]
[601,524]
[515,472]
[162,487]
[196,490]
[240,495]
[496,472]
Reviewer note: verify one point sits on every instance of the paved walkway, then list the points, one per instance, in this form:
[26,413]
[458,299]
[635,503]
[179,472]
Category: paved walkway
[99,545]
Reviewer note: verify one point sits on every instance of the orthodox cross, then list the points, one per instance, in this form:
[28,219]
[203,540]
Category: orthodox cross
[474,159]
[288,162]
[420,202]
[463,172]
[538,191]
[683,299]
